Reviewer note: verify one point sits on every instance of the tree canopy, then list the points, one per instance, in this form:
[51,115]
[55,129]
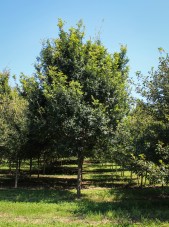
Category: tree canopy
[81,93]
[77,104]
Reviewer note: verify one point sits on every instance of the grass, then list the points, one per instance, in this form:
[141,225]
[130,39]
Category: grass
[106,201]
[98,207]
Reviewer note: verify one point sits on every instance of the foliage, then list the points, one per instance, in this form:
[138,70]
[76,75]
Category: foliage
[77,104]
[78,95]
[142,137]
[13,122]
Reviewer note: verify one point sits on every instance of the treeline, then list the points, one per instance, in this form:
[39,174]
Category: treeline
[78,103]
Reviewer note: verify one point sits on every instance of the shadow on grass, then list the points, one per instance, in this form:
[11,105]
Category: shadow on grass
[119,205]
[34,195]
[133,205]
[59,182]
[45,182]
[103,170]
[49,170]
[108,181]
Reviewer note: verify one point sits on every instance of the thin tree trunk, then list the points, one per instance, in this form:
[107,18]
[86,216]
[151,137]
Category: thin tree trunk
[19,165]
[138,179]
[16,175]
[44,165]
[81,171]
[141,184]
[79,174]
[10,167]
[162,184]
[116,168]
[131,175]
[38,165]
[145,179]
[30,167]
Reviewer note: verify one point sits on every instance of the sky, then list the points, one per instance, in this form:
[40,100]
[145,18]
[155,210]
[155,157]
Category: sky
[142,25]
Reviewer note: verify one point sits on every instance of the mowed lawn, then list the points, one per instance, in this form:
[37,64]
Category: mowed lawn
[106,200]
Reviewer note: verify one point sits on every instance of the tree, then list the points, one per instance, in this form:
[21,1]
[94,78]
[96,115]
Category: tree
[4,93]
[84,92]
[157,97]
[37,139]
[147,126]
[13,122]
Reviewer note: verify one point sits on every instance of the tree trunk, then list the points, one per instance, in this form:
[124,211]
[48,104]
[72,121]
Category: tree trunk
[16,175]
[145,179]
[138,179]
[38,165]
[116,168]
[123,172]
[30,167]
[141,184]
[79,174]
[131,175]
[10,167]
[44,165]
[19,165]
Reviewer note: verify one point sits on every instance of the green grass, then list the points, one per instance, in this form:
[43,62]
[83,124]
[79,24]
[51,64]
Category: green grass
[98,207]
[107,199]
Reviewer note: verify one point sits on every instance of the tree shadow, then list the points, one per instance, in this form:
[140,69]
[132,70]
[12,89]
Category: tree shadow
[45,182]
[35,195]
[134,205]
[110,181]
[65,182]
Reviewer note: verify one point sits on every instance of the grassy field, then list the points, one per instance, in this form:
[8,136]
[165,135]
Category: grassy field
[107,200]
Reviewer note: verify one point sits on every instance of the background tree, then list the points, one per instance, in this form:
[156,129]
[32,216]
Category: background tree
[4,96]
[14,121]
[142,138]
[156,87]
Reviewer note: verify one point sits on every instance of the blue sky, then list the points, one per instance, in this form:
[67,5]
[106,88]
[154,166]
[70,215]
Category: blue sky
[142,25]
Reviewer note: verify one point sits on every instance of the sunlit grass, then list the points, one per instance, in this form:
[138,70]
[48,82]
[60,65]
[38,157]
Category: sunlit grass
[106,201]
[98,207]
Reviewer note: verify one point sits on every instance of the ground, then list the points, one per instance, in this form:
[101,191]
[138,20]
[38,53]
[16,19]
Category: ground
[107,199]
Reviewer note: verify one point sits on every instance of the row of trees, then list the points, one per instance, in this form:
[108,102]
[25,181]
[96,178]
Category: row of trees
[142,137]
[77,104]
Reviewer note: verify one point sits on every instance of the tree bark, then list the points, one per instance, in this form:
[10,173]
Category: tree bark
[30,167]
[141,183]
[38,165]
[131,175]
[10,167]
[116,168]
[19,165]
[138,179]
[145,179]
[44,164]
[79,174]
[16,175]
